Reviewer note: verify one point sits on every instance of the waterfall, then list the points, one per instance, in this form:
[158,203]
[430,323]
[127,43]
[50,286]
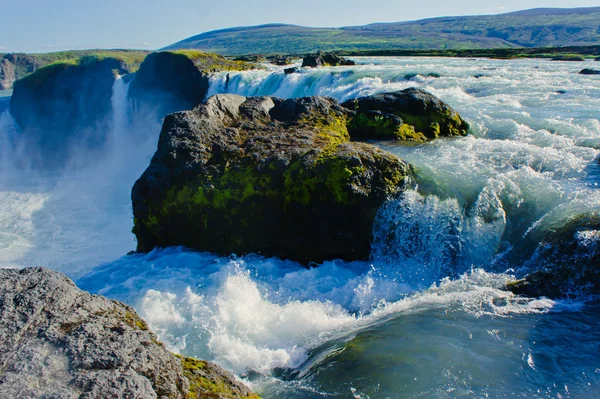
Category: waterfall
[8,132]
[120,108]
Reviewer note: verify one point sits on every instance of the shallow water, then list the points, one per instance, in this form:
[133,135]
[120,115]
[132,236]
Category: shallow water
[426,317]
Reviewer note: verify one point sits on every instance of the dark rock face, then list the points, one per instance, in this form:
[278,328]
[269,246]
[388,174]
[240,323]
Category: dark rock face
[175,81]
[566,260]
[167,82]
[411,114]
[57,341]
[289,71]
[65,104]
[280,60]
[264,175]
[588,71]
[324,59]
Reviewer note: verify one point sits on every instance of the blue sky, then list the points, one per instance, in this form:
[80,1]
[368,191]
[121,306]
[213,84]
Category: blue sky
[55,25]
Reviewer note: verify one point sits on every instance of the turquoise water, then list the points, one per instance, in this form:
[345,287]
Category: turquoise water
[426,317]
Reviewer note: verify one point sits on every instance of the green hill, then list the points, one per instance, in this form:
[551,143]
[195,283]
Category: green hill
[544,27]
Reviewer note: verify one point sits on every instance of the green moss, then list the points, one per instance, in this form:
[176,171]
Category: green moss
[200,385]
[210,62]
[135,322]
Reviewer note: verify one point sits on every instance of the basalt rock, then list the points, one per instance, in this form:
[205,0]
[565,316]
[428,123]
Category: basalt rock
[564,261]
[291,70]
[264,175]
[170,81]
[411,114]
[325,59]
[57,341]
[589,71]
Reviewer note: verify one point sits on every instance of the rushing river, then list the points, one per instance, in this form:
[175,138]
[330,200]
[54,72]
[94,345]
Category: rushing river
[426,317]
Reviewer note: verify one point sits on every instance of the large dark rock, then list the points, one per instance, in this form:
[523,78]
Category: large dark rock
[589,71]
[564,260]
[411,114]
[175,81]
[264,175]
[65,105]
[325,59]
[57,341]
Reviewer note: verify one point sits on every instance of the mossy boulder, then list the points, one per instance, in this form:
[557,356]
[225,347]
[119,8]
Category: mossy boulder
[411,115]
[324,59]
[264,175]
[564,260]
[170,81]
[66,104]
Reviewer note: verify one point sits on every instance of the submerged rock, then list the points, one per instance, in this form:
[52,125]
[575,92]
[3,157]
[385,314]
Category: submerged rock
[588,71]
[565,260]
[411,114]
[410,76]
[57,341]
[264,175]
[325,59]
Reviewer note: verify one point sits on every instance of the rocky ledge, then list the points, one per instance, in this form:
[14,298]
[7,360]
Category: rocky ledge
[57,341]
[565,259]
[270,176]
[325,59]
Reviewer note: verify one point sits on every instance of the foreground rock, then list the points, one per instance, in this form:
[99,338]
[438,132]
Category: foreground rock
[565,260]
[588,71]
[264,175]
[411,115]
[57,341]
[325,59]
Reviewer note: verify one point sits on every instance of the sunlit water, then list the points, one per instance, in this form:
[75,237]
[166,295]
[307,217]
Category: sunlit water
[426,317]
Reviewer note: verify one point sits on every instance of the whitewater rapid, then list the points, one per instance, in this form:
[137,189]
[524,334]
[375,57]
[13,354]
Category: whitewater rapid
[426,316]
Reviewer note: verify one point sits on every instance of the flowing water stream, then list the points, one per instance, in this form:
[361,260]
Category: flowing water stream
[426,317]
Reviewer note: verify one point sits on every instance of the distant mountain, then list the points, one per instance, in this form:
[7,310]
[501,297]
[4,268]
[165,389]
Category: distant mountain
[541,27]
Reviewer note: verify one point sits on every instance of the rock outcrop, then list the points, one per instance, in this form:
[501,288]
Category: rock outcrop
[589,71]
[325,59]
[565,259]
[7,74]
[264,175]
[57,341]
[411,114]
[170,81]
[66,104]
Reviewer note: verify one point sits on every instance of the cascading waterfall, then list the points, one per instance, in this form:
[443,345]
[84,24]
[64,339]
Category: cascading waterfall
[426,316]
[120,110]
[8,137]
